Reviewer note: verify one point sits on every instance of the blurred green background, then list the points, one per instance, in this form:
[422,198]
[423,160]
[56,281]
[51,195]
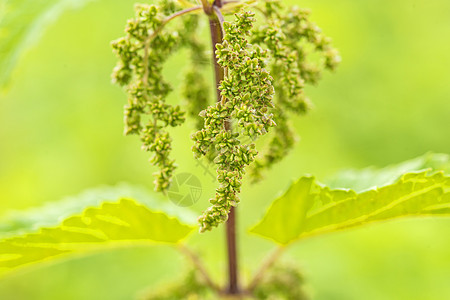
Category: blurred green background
[61,132]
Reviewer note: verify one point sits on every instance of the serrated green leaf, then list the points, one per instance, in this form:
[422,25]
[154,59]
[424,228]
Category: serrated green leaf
[22,22]
[279,221]
[360,180]
[309,208]
[52,213]
[111,224]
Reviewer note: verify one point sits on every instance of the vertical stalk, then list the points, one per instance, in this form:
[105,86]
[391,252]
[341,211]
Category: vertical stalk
[216,37]
[219,72]
[233,286]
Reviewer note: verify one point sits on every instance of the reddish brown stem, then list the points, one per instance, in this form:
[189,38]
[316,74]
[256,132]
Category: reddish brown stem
[216,37]
[233,285]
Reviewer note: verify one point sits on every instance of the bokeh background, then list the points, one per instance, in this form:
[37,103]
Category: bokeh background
[61,133]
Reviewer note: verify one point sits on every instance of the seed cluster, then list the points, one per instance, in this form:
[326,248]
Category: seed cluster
[299,53]
[142,53]
[246,104]
[287,46]
[195,89]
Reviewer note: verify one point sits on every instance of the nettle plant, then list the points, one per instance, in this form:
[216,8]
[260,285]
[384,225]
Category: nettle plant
[263,54]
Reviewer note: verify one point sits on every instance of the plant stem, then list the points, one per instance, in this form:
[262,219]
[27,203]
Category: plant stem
[233,285]
[216,37]
[198,264]
[206,7]
[268,262]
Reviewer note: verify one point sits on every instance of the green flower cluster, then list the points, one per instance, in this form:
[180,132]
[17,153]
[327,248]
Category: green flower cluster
[246,104]
[299,53]
[287,44]
[195,89]
[191,287]
[281,282]
[142,53]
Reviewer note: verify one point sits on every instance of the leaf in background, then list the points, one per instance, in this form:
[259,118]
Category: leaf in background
[312,209]
[22,22]
[360,180]
[113,223]
[53,212]
[286,215]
